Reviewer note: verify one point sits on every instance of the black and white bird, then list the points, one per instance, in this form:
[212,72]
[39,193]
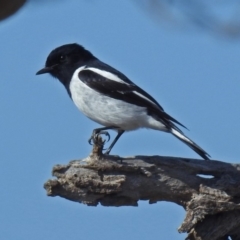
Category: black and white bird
[108,97]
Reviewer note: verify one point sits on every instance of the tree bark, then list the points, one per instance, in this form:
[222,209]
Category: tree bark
[211,204]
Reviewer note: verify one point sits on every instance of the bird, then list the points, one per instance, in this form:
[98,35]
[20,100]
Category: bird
[108,97]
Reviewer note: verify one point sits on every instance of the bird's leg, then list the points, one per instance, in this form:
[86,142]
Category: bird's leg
[98,131]
[120,132]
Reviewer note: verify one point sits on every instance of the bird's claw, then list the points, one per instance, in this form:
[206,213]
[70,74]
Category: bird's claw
[94,139]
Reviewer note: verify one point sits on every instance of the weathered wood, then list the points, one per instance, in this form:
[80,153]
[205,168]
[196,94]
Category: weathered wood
[212,204]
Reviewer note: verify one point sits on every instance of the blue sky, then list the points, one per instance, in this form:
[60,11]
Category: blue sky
[193,75]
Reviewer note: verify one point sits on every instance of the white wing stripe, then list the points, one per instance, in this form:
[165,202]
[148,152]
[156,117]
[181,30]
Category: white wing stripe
[142,96]
[115,78]
[78,70]
[106,74]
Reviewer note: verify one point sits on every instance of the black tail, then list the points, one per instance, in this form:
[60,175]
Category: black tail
[191,144]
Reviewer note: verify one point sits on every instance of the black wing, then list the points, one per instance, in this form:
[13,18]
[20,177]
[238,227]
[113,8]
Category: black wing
[103,66]
[127,92]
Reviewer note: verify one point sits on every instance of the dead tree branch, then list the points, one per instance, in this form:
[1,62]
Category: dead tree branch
[215,17]
[212,204]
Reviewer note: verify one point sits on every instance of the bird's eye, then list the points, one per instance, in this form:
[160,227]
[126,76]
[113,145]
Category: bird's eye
[62,58]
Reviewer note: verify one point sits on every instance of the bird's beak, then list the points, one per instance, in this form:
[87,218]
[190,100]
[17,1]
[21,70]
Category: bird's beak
[44,70]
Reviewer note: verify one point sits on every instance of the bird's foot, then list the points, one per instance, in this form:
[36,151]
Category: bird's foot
[94,139]
[107,151]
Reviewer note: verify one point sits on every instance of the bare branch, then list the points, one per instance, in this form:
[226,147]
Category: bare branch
[212,204]
[216,17]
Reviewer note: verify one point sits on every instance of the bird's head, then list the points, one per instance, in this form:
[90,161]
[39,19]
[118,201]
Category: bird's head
[64,60]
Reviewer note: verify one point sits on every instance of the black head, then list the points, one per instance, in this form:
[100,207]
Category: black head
[63,61]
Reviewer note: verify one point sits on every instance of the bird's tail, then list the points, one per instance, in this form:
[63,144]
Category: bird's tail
[191,144]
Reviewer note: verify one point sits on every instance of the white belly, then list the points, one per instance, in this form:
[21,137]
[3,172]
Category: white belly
[108,111]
